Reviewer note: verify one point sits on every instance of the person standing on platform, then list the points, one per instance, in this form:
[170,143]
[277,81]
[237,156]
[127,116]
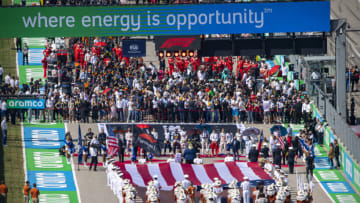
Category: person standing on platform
[122,146]
[277,155]
[235,148]
[291,160]
[214,138]
[204,141]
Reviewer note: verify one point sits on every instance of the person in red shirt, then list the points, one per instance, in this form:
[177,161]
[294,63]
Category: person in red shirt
[229,63]
[118,52]
[82,58]
[171,62]
[249,110]
[47,51]
[179,64]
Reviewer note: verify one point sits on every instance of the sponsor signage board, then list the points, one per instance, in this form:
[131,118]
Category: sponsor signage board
[193,19]
[25,103]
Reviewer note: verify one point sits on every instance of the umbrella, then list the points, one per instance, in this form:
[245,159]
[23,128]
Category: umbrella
[274,70]
[106,90]
[202,126]
[100,44]
[251,132]
[280,128]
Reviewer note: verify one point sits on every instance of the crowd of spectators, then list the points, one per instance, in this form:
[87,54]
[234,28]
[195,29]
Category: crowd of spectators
[98,84]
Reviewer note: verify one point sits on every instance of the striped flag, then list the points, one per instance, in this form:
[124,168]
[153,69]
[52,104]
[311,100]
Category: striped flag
[169,173]
[281,141]
[112,145]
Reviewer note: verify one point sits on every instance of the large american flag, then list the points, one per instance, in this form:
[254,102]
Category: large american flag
[112,145]
[169,173]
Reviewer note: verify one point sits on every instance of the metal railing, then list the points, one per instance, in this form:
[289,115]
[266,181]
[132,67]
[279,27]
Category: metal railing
[337,124]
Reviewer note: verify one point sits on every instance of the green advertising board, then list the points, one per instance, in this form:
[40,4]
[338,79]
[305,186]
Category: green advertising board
[46,160]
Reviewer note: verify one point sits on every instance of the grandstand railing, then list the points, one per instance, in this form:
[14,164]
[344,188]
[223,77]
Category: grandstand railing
[338,125]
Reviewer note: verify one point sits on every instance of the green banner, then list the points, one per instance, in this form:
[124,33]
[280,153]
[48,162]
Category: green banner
[345,197]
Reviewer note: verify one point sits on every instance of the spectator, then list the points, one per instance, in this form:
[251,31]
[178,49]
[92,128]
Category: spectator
[25,54]
[1,74]
[189,154]
[337,153]
[198,160]
[4,131]
[331,154]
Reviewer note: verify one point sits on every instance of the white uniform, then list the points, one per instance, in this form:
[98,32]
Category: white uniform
[229,159]
[222,142]
[186,184]
[246,191]
[157,185]
[218,190]
[204,141]
[198,161]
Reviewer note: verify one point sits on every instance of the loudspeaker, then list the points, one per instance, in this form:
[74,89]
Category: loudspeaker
[291,67]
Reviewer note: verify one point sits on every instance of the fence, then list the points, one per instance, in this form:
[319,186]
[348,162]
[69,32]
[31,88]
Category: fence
[337,124]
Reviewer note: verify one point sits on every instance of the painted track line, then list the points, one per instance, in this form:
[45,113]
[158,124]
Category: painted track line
[73,172]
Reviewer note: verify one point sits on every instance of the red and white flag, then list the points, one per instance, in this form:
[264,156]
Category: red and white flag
[169,173]
[112,145]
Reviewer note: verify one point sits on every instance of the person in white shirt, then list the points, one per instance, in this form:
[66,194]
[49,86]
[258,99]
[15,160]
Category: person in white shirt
[186,183]
[178,156]
[49,109]
[222,141]
[155,134]
[229,140]
[204,141]
[217,189]
[171,159]
[214,138]
[4,131]
[7,79]
[229,158]
[131,110]
[245,185]
[128,137]
[94,145]
[266,108]
[156,183]
[1,74]
[198,160]
[3,108]
[306,110]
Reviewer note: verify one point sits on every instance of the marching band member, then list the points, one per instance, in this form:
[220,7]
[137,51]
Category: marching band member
[245,185]
[217,189]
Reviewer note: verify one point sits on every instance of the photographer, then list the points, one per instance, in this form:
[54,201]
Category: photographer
[94,145]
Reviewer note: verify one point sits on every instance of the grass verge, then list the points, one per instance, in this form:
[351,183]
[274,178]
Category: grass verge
[11,157]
